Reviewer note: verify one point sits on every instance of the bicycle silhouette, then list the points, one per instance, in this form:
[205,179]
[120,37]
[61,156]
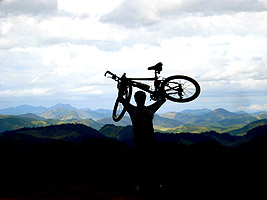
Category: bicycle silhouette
[177,88]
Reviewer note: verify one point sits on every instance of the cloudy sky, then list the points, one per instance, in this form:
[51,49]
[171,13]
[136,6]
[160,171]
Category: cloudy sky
[57,51]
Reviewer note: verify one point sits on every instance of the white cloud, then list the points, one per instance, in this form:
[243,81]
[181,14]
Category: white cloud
[93,8]
[219,43]
[253,107]
[206,6]
[25,92]
[28,7]
[142,13]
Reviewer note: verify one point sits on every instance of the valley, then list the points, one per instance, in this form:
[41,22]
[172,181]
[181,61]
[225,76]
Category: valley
[193,121]
[61,154]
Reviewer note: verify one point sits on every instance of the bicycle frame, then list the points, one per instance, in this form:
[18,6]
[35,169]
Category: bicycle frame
[133,82]
[176,88]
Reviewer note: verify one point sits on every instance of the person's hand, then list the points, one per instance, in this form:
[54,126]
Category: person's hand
[122,86]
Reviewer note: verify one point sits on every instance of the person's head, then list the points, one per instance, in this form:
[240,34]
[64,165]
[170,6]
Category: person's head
[140,98]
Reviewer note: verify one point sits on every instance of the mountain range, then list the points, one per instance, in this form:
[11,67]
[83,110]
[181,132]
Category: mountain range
[79,132]
[64,150]
[193,121]
[58,111]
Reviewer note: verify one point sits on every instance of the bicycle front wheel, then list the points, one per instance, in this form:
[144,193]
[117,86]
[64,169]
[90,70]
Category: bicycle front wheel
[181,88]
[119,110]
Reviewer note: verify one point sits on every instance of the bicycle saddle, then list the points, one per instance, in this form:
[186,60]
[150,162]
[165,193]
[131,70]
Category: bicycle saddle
[157,67]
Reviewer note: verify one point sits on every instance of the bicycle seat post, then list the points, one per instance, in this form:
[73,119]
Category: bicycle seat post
[157,68]
[156,75]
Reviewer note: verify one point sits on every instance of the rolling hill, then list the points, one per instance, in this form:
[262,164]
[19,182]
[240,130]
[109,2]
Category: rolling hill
[71,161]
[66,112]
[59,111]
[23,109]
[158,121]
[250,126]
[219,120]
[13,122]
[66,132]
[194,121]
[79,132]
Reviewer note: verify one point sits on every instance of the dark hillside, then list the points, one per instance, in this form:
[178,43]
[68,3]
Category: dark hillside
[67,132]
[12,122]
[46,163]
[256,140]
[248,127]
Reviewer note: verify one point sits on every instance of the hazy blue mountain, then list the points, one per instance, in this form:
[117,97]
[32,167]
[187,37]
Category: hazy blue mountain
[182,117]
[31,116]
[63,106]
[66,112]
[217,115]
[216,118]
[22,109]
[261,114]
[225,118]
[97,114]
[165,122]
[197,121]
[103,111]
[197,111]
[241,112]
[60,113]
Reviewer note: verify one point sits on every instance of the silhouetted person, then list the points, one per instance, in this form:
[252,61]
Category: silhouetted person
[142,119]
[144,140]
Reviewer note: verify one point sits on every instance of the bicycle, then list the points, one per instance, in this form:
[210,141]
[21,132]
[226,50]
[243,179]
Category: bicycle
[177,88]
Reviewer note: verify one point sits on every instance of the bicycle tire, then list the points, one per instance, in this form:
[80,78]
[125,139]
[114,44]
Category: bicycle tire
[118,109]
[185,88]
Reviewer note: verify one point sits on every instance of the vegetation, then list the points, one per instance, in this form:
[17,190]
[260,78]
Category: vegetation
[12,122]
[75,161]
[194,121]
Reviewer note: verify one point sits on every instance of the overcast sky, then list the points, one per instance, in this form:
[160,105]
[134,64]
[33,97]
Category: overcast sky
[57,51]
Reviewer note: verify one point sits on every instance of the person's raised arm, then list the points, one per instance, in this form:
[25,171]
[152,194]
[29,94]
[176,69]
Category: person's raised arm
[121,98]
[155,106]
[122,88]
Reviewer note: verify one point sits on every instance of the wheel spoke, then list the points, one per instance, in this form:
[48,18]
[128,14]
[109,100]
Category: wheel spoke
[180,88]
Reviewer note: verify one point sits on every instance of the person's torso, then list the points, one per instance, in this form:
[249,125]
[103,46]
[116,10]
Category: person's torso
[142,120]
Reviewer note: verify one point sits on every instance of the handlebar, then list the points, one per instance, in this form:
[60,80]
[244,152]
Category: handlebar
[113,76]
[124,81]
[108,72]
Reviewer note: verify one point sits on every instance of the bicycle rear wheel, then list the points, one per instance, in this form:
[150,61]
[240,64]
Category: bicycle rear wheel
[181,88]
[119,110]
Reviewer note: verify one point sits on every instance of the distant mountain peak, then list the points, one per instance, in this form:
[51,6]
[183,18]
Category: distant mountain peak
[61,105]
[221,110]
[197,111]
[101,110]
[22,109]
